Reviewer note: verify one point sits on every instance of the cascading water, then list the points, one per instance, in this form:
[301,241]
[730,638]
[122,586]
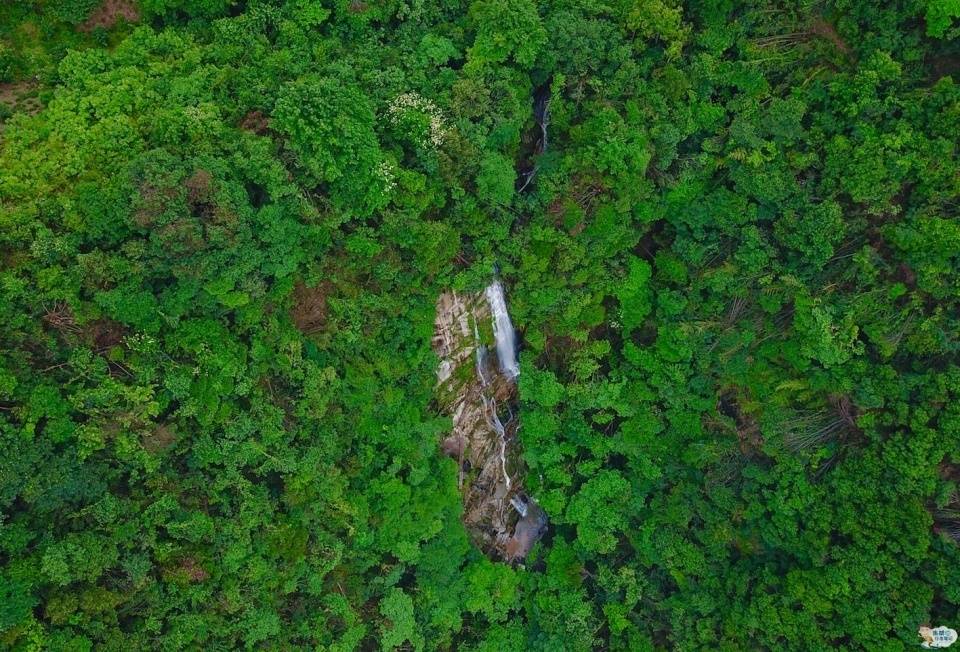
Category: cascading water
[503,331]
[490,407]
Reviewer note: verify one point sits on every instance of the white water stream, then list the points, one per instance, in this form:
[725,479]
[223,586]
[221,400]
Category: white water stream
[503,332]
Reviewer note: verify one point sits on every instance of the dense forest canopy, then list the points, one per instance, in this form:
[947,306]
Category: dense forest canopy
[729,234]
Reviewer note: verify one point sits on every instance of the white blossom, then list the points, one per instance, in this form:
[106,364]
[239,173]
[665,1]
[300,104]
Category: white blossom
[387,174]
[415,102]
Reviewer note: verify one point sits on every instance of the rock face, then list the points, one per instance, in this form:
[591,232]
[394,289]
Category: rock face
[476,385]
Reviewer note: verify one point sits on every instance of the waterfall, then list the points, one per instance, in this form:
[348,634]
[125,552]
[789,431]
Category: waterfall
[503,330]
[500,516]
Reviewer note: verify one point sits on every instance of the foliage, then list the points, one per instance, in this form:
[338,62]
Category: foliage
[732,262]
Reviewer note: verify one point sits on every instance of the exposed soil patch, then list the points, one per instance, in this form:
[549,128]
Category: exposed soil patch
[256,122]
[11,92]
[19,97]
[821,28]
[109,14]
[948,471]
[309,311]
[104,334]
[159,439]
[187,570]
